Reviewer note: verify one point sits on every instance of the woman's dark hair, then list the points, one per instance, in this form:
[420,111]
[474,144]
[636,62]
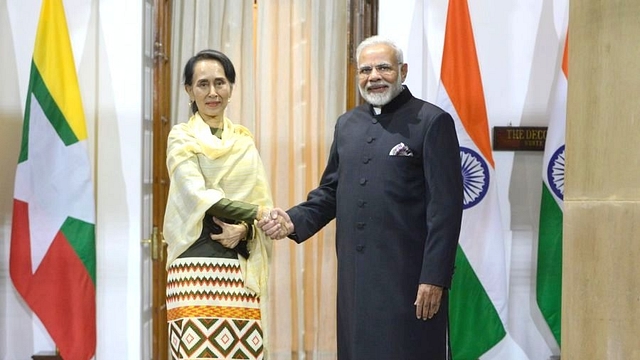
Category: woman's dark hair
[227,65]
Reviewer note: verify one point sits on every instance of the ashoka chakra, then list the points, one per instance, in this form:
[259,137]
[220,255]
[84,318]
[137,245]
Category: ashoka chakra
[475,177]
[555,172]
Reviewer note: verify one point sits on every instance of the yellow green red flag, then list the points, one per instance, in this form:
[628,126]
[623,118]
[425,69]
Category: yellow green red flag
[53,257]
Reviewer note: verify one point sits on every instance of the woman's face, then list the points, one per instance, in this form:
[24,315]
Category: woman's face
[210,90]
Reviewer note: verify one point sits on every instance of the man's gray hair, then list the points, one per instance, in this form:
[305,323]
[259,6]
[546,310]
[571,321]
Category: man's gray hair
[378,39]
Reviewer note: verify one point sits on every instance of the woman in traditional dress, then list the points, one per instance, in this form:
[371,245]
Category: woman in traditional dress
[217,259]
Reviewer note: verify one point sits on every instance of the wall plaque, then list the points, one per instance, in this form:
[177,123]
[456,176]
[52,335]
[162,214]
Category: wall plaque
[515,138]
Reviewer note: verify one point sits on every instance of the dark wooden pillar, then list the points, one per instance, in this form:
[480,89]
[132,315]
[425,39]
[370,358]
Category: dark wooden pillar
[363,22]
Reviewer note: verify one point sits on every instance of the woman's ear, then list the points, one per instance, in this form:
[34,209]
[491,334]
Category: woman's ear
[189,91]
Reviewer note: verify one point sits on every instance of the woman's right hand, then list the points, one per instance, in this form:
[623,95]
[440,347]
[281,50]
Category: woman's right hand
[277,225]
[263,213]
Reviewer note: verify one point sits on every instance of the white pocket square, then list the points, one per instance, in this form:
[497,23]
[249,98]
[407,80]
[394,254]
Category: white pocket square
[400,150]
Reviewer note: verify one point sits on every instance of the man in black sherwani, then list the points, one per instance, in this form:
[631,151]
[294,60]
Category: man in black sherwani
[394,185]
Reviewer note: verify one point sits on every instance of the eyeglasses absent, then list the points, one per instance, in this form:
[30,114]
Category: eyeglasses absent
[382,69]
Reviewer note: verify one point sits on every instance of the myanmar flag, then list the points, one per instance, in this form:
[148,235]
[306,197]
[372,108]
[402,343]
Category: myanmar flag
[549,271]
[478,302]
[53,257]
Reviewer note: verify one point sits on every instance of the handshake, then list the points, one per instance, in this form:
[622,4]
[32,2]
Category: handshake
[275,222]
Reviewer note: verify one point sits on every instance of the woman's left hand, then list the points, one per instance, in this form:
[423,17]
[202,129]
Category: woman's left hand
[231,234]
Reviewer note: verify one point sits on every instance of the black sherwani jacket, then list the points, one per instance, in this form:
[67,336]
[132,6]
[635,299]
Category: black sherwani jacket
[394,185]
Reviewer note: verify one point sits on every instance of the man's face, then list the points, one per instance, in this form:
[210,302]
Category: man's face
[380,77]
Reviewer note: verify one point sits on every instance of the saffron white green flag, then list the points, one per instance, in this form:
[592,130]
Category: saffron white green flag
[549,270]
[478,301]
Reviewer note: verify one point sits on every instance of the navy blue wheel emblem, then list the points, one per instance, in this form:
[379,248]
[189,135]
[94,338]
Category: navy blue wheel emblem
[555,172]
[475,177]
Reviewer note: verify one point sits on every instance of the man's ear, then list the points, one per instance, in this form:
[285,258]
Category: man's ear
[403,71]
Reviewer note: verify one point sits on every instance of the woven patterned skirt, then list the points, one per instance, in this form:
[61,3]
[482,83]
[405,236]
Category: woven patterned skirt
[210,314]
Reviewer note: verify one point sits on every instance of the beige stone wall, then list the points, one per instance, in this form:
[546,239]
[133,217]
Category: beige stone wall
[601,266]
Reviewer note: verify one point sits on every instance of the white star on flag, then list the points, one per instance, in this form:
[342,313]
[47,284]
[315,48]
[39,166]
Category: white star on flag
[43,181]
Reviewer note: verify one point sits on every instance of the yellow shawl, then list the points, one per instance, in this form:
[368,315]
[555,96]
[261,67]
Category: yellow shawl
[204,169]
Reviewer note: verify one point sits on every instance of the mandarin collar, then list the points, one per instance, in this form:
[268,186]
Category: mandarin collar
[395,103]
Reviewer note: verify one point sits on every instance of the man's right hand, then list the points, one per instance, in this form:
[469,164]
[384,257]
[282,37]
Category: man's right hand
[278,225]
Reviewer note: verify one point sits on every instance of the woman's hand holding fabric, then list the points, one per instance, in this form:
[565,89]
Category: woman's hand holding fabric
[231,234]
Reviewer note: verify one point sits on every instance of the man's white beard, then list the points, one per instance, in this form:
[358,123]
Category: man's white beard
[381,99]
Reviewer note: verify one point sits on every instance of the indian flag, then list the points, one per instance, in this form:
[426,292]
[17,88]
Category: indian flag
[53,257]
[478,305]
[549,270]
